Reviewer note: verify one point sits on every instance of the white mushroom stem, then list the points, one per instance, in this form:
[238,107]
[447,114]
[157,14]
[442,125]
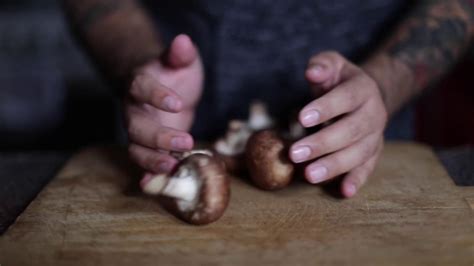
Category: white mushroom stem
[182,187]
[238,131]
[182,155]
[235,139]
[259,118]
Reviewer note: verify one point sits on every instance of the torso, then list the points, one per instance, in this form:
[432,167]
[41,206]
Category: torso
[260,49]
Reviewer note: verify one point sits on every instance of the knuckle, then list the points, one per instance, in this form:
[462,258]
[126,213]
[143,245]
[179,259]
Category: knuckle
[354,178]
[333,54]
[378,114]
[134,153]
[319,145]
[130,127]
[360,178]
[155,95]
[149,162]
[157,140]
[334,166]
[134,86]
[352,95]
[367,151]
[370,82]
[131,130]
[329,55]
[355,131]
[131,150]
[372,149]
[336,55]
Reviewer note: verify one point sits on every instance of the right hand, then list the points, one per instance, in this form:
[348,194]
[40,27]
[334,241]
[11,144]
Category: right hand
[159,108]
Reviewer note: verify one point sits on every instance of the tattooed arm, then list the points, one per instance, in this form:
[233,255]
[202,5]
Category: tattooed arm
[117,33]
[431,39]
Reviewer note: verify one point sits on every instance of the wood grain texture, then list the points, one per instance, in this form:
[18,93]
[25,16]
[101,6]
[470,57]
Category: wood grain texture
[410,213]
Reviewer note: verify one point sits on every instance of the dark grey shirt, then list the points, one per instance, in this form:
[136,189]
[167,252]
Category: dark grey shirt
[260,49]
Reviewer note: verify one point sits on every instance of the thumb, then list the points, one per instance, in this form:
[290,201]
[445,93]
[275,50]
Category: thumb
[327,69]
[182,52]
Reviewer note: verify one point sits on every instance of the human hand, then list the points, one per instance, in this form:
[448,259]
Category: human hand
[352,144]
[159,108]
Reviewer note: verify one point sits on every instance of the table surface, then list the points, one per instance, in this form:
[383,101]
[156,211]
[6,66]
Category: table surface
[410,212]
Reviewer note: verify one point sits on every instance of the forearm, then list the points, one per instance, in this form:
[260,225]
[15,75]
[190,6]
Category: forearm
[423,48]
[118,34]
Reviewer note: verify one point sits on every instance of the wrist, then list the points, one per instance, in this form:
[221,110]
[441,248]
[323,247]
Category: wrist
[393,78]
[374,68]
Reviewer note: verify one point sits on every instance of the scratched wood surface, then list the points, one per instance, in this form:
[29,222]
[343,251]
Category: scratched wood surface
[92,213]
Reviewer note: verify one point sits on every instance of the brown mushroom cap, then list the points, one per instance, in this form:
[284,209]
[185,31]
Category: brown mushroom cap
[233,164]
[214,192]
[267,160]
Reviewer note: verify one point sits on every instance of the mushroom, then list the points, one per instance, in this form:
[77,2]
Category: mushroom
[197,190]
[267,160]
[259,119]
[231,148]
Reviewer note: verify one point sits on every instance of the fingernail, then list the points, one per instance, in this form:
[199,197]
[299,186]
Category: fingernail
[300,154]
[310,118]
[145,179]
[171,103]
[180,143]
[351,190]
[316,70]
[317,174]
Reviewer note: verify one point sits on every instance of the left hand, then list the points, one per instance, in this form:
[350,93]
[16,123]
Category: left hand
[352,144]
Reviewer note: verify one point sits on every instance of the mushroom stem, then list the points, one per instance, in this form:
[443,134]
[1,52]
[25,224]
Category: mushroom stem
[235,139]
[181,155]
[183,187]
[259,118]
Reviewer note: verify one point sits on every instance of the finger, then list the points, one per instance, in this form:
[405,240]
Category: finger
[327,69]
[147,89]
[345,98]
[343,133]
[151,160]
[356,178]
[179,121]
[146,132]
[182,52]
[147,177]
[341,161]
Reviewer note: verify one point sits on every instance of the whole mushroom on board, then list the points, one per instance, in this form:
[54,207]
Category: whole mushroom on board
[269,165]
[231,148]
[267,160]
[198,188]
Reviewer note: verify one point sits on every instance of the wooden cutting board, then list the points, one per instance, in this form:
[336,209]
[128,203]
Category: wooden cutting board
[92,213]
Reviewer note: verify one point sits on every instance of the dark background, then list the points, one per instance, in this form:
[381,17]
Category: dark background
[50,96]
